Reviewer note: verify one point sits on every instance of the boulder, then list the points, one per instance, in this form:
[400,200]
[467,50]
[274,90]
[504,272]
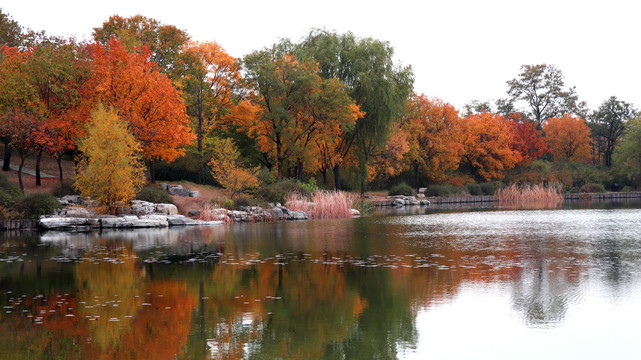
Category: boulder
[71,200]
[275,213]
[355,212]
[167,209]
[425,202]
[399,202]
[297,215]
[154,220]
[193,213]
[194,193]
[178,190]
[61,223]
[180,220]
[139,207]
[77,212]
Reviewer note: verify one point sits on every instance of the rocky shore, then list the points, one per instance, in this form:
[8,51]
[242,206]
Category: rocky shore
[78,216]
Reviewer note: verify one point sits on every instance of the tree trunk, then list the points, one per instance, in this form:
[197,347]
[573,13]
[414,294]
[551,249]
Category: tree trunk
[20,173]
[7,157]
[38,159]
[59,161]
[416,176]
[324,172]
[337,177]
[152,172]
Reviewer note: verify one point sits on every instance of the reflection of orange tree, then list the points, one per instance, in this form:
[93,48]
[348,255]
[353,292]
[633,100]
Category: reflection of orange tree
[52,329]
[159,331]
[315,308]
[110,292]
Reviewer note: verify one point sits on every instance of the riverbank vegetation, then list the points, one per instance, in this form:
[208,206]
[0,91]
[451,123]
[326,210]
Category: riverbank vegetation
[328,112]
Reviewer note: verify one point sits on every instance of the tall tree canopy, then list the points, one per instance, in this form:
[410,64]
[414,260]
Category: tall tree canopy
[433,129]
[627,155]
[143,96]
[377,85]
[542,88]
[607,124]
[568,138]
[207,76]
[295,105]
[488,143]
[164,41]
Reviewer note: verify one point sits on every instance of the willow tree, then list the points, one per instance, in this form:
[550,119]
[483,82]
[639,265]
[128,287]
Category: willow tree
[377,85]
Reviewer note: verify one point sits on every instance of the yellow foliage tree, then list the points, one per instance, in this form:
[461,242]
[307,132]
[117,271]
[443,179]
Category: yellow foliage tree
[226,168]
[568,138]
[110,170]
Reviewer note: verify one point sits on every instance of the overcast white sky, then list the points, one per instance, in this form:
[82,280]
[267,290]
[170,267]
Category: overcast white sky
[460,50]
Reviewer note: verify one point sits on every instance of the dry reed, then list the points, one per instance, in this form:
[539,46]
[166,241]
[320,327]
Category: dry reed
[208,213]
[323,205]
[530,195]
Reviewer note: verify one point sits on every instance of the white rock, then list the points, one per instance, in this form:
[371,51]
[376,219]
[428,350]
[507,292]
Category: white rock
[167,209]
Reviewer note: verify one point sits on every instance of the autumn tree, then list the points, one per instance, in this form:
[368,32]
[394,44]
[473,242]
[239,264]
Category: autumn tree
[568,138]
[607,124]
[433,130]
[378,86]
[110,170]
[208,76]
[20,109]
[296,107]
[143,97]
[627,155]
[488,146]
[528,140]
[542,88]
[163,41]
[227,169]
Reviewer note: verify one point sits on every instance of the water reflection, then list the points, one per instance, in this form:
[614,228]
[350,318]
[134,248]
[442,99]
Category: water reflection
[320,289]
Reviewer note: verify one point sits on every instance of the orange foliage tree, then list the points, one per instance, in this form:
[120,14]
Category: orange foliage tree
[164,41]
[488,143]
[568,138]
[208,76]
[143,96]
[433,131]
[528,141]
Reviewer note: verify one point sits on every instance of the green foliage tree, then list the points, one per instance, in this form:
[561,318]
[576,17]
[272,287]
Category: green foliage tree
[607,124]
[542,88]
[111,170]
[627,156]
[377,85]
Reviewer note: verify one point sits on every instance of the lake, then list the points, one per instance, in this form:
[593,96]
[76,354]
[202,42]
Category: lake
[425,283]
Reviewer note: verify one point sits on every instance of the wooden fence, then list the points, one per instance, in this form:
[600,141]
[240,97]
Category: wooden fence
[8,225]
[612,196]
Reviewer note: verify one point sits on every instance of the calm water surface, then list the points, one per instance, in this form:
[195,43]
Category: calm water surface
[537,284]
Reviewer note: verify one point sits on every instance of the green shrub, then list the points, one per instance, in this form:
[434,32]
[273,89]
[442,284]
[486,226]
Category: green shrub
[628,189]
[65,188]
[278,192]
[227,204]
[402,189]
[243,201]
[442,190]
[474,189]
[10,214]
[489,188]
[154,195]
[37,204]
[9,193]
[593,188]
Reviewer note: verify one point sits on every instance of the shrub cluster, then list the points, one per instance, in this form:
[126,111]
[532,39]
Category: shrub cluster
[402,189]
[65,188]
[154,195]
[34,205]
[278,192]
[9,193]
